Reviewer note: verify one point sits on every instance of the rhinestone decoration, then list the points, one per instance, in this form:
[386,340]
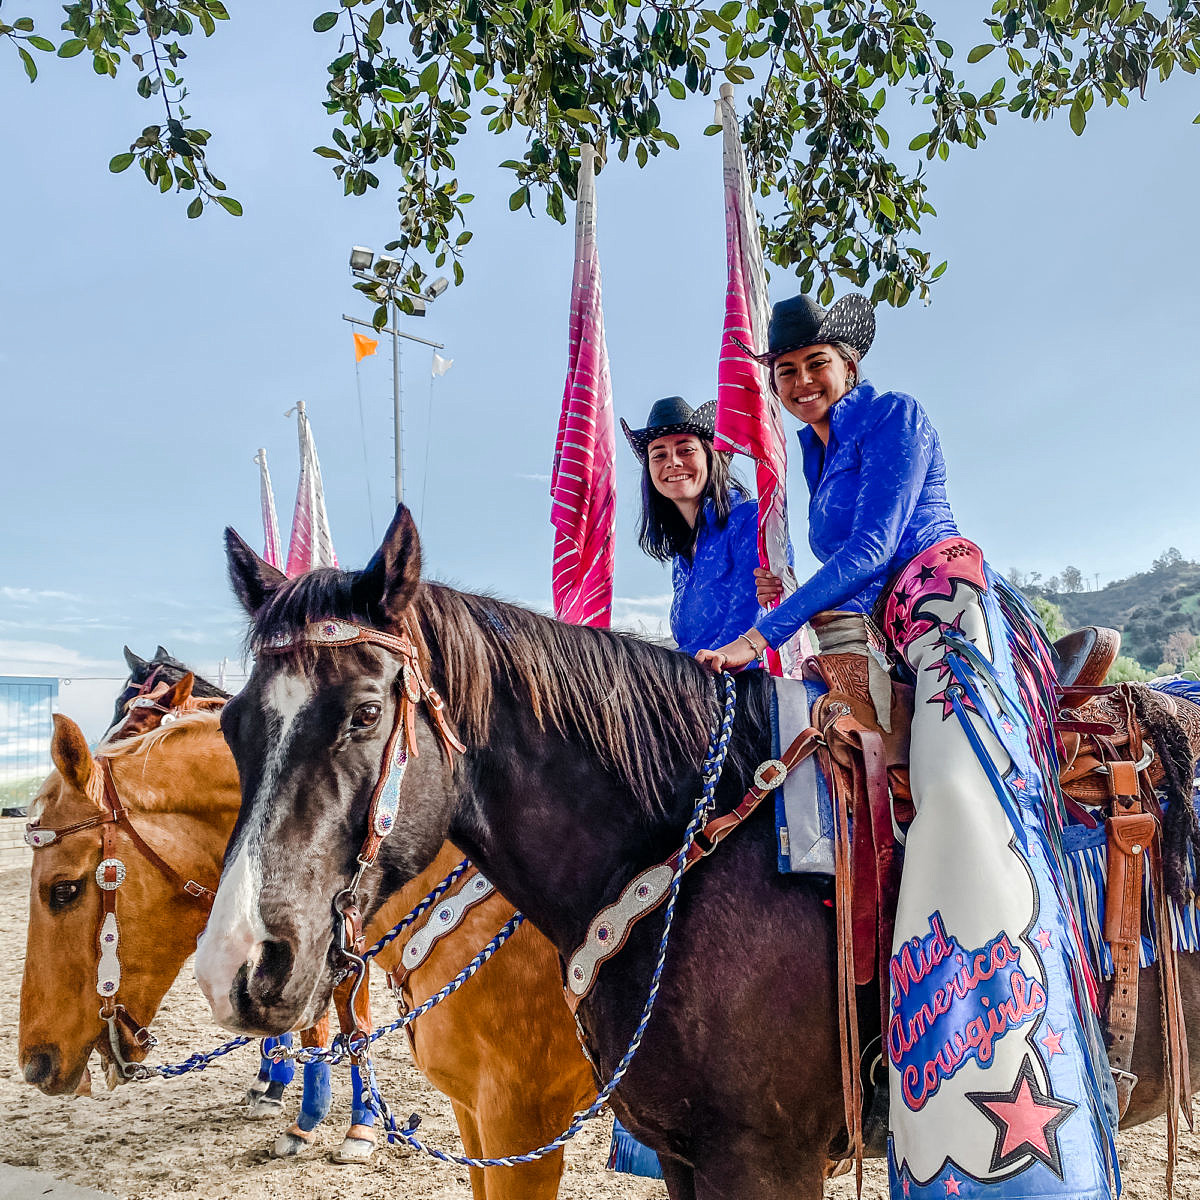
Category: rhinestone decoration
[102,873]
[143,702]
[384,822]
[763,770]
[444,914]
[109,938]
[108,987]
[604,933]
[643,891]
[577,973]
[37,838]
[412,689]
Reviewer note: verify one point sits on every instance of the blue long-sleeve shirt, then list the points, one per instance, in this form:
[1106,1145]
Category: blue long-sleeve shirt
[877,498]
[715,597]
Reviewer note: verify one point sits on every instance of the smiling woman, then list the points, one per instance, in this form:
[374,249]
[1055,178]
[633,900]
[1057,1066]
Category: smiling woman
[697,515]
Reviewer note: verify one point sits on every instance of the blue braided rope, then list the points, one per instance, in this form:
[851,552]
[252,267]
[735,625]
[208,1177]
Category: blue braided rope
[345,1046]
[197,1062]
[421,909]
[717,751]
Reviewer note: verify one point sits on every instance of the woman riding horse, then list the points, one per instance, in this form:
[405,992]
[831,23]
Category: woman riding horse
[696,515]
[998,1083]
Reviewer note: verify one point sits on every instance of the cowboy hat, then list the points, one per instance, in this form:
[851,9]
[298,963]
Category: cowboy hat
[672,415]
[801,322]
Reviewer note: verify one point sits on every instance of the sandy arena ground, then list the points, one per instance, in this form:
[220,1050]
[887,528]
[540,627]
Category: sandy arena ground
[188,1137]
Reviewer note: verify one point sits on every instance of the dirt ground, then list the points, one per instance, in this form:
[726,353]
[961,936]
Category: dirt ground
[189,1138]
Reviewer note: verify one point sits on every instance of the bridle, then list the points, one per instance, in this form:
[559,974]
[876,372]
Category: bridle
[101,789]
[385,796]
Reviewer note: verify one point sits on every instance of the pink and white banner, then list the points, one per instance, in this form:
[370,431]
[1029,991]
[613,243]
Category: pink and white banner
[312,543]
[748,417]
[583,484]
[272,551]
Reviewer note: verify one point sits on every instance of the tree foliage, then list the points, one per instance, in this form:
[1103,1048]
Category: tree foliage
[408,78]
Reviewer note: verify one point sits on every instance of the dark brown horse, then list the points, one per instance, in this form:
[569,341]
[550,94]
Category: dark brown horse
[581,769]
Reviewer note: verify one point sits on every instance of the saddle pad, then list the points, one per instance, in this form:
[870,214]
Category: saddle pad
[803,809]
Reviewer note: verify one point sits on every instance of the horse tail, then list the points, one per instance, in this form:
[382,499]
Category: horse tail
[1181,824]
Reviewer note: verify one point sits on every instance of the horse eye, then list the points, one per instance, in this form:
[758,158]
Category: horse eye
[64,892]
[366,715]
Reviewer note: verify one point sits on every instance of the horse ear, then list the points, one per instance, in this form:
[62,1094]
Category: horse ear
[134,663]
[70,754]
[389,581]
[253,579]
[179,693]
[161,654]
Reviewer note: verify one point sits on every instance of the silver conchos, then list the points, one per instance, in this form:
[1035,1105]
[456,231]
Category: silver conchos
[102,880]
[412,687]
[447,916]
[610,926]
[765,769]
[37,838]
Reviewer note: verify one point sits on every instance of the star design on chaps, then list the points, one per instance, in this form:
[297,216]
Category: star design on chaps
[1044,938]
[955,626]
[948,704]
[952,1185]
[1053,1042]
[1006,725]
[925,574]
[1026,1121]
[905,1185]
[1019,783]
[942,667]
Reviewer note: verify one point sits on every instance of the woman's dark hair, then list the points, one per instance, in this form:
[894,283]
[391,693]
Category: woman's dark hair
[664,532]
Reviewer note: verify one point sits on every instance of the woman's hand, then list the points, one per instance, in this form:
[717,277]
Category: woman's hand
[769,587]
[735,655]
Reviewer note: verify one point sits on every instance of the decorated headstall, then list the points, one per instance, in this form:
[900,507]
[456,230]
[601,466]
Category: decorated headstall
[101,789]
[401,744]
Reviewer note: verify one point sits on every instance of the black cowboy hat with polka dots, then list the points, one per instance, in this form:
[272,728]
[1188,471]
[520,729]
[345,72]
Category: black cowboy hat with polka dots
[801,322]
[672,415]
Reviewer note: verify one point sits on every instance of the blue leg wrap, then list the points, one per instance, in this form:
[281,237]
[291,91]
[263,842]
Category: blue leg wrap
[281,1072]
[317,1096]
[360,1113]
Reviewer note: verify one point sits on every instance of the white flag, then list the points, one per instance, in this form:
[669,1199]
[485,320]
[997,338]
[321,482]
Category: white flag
[441,365]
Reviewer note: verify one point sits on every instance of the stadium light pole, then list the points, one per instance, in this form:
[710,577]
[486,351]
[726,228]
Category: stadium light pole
[387,290]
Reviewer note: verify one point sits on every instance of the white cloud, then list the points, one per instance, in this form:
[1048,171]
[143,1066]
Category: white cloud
[534,478]
[648,616]
[49,658]
[24,595]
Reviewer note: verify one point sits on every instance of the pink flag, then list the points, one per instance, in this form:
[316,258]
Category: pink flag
[271,548]
[748,417]
[583,486]
[312,543]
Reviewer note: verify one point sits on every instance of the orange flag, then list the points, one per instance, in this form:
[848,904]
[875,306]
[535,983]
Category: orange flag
[363,346]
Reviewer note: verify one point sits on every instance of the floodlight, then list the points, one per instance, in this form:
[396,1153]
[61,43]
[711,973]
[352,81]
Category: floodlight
[387,267]
[360,258]
[418,307]
[437,287]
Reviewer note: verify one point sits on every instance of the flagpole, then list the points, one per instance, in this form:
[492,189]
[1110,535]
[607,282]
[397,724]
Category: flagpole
[397,401]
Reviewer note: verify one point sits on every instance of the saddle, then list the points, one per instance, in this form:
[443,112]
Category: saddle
[1108,771]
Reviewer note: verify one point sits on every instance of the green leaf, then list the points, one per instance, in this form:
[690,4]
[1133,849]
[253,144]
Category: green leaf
[1078,116]
[922,139]
[30,65]
[72,47]
[41,43]
[676,88]
[981,52]
[375,25]
[518,199]
[120,162]
[325,22]
[886,207]
[230,205]
[195,208]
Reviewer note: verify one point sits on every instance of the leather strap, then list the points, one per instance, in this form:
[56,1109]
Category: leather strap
[1129,835]
[610,927]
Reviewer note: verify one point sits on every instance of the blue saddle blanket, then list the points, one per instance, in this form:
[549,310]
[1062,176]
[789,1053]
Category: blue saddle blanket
[803,808]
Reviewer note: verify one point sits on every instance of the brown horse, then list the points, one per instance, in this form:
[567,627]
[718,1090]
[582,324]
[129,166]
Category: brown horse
[504,1049]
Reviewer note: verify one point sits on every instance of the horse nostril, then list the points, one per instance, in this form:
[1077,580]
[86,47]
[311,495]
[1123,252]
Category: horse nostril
[39,1068]
[271,974]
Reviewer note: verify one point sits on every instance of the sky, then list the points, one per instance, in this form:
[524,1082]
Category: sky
[144,358]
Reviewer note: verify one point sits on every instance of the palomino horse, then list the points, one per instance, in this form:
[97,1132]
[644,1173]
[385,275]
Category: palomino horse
[581,769]
[504,1049]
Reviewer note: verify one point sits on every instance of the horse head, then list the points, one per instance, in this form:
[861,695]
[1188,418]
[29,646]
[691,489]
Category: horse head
[147,674]
[327,722]
[154,922]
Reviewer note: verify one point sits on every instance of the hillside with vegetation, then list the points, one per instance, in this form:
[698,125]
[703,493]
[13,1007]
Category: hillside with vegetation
[1157,611]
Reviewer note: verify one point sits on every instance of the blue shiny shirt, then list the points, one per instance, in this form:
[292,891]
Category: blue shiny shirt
[715,597]
[878,497]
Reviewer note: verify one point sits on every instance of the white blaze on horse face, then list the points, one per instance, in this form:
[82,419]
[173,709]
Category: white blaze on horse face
[236,931]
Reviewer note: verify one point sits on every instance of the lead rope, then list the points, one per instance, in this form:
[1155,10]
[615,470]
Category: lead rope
[718,750]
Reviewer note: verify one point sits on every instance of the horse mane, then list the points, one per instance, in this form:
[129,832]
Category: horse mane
[143,743]
[641,709]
